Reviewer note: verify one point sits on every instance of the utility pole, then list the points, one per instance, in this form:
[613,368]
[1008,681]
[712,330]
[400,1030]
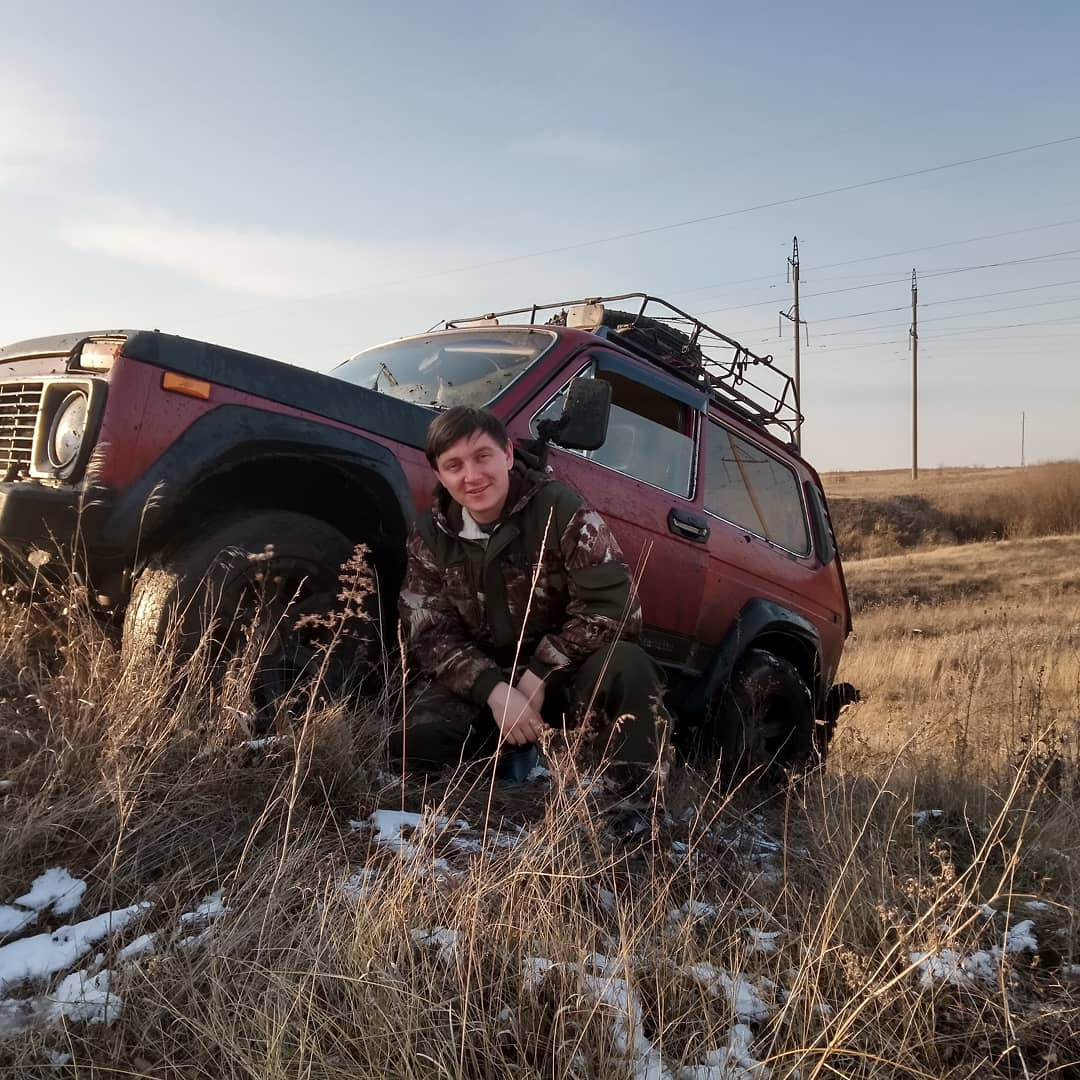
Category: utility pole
[792,315]
[1023,420]
[914,376]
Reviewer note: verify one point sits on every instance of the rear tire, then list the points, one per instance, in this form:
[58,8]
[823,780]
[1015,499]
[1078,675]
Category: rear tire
[274,563]
[766,722]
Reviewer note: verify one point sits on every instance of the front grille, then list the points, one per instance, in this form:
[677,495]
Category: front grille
[19,402]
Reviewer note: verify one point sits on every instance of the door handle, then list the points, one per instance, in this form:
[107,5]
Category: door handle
[689,526]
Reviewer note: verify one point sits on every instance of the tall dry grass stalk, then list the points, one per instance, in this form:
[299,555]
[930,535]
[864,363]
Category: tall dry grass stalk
[537,946]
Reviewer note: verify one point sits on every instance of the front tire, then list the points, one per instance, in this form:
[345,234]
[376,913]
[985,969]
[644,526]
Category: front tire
[767,729]
[247,573]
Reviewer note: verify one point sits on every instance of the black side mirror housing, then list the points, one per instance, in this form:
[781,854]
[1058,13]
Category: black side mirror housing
[584,422]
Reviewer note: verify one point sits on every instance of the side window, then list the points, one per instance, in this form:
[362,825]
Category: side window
[650,435]
[749,487]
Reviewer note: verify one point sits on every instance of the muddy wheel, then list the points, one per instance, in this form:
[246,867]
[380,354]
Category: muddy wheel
[767,730]
[245,581]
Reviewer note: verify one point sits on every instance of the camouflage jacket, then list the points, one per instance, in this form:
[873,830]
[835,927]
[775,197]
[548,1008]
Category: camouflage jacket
[466,602]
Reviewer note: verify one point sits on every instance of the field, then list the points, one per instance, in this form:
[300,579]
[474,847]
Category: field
[909,912]
[886,512]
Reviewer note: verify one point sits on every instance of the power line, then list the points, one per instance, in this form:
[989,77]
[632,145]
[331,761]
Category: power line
[954,333]
[930,303]
[892,254]
[894,281]
[876,182]
[949,318]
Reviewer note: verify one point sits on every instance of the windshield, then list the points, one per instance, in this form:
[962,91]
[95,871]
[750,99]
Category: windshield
[458,367]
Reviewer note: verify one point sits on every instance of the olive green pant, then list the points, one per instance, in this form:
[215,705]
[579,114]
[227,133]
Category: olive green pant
[617,683]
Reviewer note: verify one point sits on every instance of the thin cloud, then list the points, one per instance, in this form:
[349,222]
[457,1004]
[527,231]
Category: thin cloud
[37,135]
[259,262]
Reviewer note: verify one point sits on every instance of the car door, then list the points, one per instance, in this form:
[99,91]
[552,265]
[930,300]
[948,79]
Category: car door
[642,480]
[759,542]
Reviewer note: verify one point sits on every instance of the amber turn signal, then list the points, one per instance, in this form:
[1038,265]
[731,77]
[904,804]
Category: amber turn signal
[185,384]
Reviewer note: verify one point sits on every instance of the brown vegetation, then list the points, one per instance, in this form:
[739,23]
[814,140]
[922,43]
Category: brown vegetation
[144,784]
[883,513]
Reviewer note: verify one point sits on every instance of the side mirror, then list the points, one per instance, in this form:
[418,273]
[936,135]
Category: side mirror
[584,421]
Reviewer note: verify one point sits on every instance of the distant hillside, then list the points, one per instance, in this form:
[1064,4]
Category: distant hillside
[886,512]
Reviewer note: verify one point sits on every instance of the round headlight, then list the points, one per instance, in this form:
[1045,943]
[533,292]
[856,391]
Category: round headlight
[68,429]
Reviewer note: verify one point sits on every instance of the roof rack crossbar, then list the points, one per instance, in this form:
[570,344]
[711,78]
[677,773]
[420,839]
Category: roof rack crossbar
[700,358]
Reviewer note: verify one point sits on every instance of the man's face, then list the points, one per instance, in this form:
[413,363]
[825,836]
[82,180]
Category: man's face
[476,473]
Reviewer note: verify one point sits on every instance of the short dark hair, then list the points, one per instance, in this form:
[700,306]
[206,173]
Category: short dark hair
[459,423]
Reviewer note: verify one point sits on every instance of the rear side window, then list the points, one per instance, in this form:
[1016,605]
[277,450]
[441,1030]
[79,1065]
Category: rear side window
[754,490]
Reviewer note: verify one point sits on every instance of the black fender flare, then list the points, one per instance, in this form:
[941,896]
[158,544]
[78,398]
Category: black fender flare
[759,623]
[229,437]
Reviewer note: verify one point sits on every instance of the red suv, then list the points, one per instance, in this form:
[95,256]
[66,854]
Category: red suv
[157,466]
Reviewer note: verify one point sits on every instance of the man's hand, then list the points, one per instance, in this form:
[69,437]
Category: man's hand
[532,686]
[518,721]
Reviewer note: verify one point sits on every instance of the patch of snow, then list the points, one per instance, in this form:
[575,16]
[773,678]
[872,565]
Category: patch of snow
[196,940]
[693,910]
[265,742]
[626,1024]
[742,993]
[606,899]
[731,1062]
[1019,938]
[763,941]
[56,1058]
[15,919]
[1071,971]
[78,998]
[538,772]
[360,883]
[1036,905]
[389,825]
[55,889]
[535,971]
[87,1000]
[921,818]
[603,965]
[143,945]
[442,937]
[987,911]
[209,909]
[44,955]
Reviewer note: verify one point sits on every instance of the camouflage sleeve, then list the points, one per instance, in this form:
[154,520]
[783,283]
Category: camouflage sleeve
[603,603]
[438,639]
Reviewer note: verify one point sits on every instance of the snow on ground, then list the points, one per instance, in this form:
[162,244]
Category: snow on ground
[921,818]
[981,966]
[55,889]
[622,1004]
[84,995]
[743,992]
[439,937]
[731,1062]
[763,941]
[402,833]
[42,956]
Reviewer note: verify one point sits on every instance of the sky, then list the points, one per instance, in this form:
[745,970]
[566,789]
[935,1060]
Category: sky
[303,181]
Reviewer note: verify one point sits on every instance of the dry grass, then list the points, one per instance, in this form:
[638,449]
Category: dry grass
[883,513]
[140,783]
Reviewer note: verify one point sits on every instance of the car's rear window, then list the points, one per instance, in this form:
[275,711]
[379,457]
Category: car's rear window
[450,368]
[752,489]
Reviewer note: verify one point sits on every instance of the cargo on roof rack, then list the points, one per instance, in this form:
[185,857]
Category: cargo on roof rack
[680,343]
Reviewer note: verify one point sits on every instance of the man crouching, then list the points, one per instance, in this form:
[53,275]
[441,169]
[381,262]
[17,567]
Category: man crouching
[518,606]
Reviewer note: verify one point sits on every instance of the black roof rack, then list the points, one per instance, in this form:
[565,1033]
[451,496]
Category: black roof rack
[683,345]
